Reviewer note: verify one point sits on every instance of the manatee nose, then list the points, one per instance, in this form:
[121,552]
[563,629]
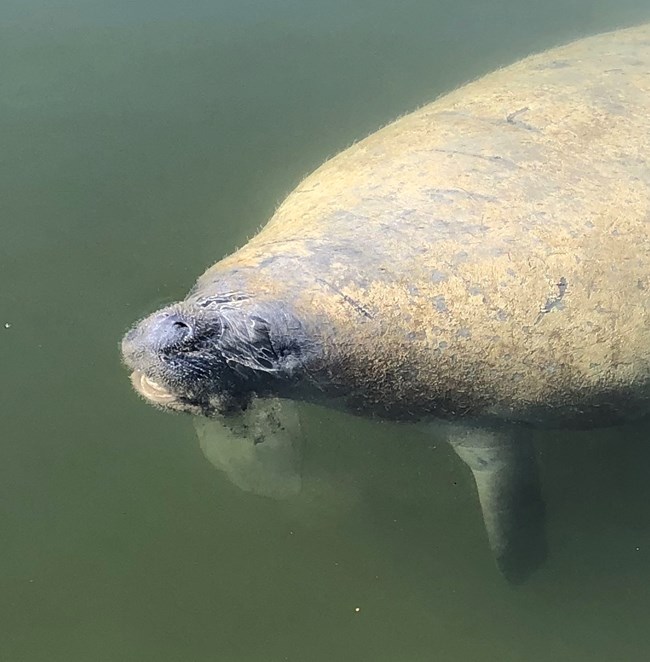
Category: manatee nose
[170,330]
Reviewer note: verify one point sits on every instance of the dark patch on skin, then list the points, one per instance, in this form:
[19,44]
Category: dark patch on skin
[440,304]
[512,118]
[438,277]
[416,335]
[267,261]
[464,333]
[556,301]
[349,300]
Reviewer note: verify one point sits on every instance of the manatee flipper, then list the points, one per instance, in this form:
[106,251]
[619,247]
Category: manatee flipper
[507,479]
[259,449]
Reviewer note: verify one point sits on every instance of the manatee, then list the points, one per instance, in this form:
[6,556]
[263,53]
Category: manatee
[479,267]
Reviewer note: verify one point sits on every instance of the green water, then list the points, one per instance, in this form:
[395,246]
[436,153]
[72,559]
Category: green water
[139,142]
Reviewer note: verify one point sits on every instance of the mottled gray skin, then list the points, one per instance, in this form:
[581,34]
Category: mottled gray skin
[482,262]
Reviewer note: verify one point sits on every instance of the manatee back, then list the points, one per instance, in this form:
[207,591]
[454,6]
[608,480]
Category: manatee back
[488,253]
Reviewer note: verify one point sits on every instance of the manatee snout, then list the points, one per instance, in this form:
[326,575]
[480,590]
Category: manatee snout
[160,332]
[173,356]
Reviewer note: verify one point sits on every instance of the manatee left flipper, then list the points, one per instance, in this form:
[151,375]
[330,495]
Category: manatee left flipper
[259,449]
[507,480]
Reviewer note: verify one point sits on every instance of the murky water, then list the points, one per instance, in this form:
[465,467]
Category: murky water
[139,142]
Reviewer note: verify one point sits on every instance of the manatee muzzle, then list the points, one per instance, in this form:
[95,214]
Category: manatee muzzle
[174,358]
[144,347]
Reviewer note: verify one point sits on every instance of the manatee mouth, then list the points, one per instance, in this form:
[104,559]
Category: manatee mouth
[150,389]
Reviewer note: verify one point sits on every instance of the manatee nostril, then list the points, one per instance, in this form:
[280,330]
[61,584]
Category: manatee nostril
[170,331]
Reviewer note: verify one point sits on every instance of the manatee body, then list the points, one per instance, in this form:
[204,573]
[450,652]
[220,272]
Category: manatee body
[481,266]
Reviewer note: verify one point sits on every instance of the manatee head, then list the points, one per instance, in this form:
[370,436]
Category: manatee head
[210,357]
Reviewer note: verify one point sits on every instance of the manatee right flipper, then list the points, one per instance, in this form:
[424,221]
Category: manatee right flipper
[259,449]
[507,479]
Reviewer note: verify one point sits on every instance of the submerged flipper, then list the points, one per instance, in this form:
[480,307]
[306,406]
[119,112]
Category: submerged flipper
[259,449]
[508,484]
